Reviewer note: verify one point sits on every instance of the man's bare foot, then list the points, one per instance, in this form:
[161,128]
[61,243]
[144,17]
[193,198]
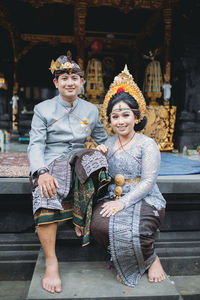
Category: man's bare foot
[79,231]
[156,272]
[51,281]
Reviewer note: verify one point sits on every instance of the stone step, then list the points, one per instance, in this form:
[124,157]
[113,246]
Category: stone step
[188,286]
[18,255]
[18,247]
[184,260]
[92,280]
[16,270]
[18,238]
[179,252]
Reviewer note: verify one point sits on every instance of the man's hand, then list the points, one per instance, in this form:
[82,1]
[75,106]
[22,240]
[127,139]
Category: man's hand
[47,185]
[103,149]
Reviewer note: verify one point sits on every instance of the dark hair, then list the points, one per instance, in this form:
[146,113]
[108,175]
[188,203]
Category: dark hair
[131,102]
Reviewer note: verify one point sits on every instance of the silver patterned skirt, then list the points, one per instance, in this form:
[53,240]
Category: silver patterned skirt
[130,235]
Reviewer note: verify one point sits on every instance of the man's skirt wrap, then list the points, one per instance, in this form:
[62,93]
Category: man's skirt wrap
[81,178]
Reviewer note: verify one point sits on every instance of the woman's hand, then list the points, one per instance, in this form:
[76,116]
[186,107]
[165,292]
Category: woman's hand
[103,149]
[111,208]
[47,185]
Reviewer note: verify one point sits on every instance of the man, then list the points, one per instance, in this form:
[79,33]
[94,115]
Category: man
[60,127]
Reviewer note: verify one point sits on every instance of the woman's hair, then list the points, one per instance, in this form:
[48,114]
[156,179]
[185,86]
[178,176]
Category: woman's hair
[132,103]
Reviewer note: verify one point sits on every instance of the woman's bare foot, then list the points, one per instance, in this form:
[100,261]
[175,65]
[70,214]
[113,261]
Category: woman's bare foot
[119,278]
[156,272]
[51,281]
[79,231]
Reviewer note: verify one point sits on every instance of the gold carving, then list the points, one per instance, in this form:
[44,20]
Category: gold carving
[160,125]
[153,96]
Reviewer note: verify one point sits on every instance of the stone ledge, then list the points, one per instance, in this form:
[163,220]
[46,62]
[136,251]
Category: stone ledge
[177,184]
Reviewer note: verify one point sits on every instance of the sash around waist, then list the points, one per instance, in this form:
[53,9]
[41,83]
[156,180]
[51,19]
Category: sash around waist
[128,180]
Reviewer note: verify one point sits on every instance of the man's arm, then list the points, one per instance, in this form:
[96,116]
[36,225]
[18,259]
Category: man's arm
[36,148]
[37,142]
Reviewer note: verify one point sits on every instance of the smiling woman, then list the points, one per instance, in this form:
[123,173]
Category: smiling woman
[126,218]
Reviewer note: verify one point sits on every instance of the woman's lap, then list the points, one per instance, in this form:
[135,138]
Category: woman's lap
[150,220]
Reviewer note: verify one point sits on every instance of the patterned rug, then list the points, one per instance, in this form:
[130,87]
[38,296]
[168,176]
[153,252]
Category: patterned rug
[14,164]
[177,165]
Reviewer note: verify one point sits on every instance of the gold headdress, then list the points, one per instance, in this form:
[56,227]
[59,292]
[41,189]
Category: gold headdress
[125,82]
[65,63]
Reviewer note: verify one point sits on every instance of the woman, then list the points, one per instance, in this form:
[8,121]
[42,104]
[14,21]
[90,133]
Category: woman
[127,218]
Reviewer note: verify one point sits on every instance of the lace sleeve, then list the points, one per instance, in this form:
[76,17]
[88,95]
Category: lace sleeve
[150,168]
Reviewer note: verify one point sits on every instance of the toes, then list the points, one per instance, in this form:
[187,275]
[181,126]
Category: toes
[58,290]
[157,279]
[78,231]
[119,278]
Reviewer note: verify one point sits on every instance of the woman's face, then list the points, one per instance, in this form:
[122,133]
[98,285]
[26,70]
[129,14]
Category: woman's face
[122,119]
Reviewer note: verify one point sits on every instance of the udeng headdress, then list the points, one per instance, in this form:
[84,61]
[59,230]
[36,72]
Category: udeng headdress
[125,82]
[66,64]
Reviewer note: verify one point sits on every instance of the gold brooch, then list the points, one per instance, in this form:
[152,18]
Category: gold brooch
[85,123]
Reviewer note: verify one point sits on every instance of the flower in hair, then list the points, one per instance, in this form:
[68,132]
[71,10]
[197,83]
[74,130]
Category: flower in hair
[120,89]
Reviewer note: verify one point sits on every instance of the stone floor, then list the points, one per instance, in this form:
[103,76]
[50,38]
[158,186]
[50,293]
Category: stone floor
[187,286]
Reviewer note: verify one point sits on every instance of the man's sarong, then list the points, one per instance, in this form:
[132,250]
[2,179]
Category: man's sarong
[75,198]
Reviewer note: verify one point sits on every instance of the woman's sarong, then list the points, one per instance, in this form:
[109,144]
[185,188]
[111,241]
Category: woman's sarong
[130,235]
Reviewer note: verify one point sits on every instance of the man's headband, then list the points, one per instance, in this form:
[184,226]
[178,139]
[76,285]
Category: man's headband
[65,64]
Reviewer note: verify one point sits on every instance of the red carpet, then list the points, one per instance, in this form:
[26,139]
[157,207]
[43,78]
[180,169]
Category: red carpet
[14,164]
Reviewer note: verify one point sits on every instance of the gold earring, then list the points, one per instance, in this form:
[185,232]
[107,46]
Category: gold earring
[136,121]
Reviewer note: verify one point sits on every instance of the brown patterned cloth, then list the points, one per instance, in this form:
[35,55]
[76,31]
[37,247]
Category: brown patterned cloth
[14,164]
[88,161]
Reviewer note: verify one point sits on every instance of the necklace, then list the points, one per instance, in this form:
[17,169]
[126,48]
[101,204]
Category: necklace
[121,146]
[128,152]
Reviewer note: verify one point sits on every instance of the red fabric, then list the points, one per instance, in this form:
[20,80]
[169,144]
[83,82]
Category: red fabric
[120,90]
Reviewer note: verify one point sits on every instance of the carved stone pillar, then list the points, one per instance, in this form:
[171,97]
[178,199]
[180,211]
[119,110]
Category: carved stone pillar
[79,29]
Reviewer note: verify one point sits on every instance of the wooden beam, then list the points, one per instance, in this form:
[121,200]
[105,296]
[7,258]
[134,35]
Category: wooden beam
[48,38]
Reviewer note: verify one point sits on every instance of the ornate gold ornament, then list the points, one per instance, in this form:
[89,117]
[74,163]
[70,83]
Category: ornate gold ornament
[85,123]
[125,81]
[56,65]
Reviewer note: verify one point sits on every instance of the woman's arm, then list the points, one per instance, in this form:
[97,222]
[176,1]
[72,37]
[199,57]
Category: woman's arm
[150,168]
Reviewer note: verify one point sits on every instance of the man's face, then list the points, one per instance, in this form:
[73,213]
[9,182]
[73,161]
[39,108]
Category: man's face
[68,86]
